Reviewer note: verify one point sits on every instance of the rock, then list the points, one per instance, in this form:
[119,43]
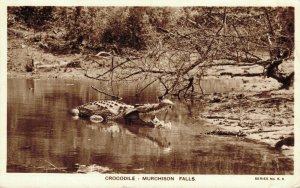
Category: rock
[289,141]
[245,81]
[271,123]
[92,168]
[73,64]
[284,121]
[235,124]
[215,100]
[240,96]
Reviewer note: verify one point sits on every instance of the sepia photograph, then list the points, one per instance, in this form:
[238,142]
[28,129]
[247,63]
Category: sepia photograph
[150,90]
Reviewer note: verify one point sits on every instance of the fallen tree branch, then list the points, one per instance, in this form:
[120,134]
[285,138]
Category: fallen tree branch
[166,88]
[112,96]
[262,131]
[226,133]
[114,67]
[103,53]
[187,87]
[219,117]
[50,163]
[88,76]
[145,87]
[54,167]
[226,64]
[239,74]
[275,99]
[130,75]
[208,49]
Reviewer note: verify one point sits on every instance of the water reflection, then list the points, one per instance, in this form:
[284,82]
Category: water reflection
[43,137]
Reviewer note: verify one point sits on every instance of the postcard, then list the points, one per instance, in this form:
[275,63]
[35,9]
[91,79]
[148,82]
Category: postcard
[160,94]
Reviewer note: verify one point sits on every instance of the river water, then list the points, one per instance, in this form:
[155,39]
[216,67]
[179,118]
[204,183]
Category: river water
[43,136]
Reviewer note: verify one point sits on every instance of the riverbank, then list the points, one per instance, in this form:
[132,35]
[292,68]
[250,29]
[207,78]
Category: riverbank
[266,117]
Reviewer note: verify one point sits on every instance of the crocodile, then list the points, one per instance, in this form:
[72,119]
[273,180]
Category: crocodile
[106,110]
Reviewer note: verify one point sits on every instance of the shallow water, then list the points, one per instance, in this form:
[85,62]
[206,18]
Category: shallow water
[43,137]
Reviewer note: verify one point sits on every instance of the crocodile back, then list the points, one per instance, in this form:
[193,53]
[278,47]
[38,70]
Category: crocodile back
[108,109]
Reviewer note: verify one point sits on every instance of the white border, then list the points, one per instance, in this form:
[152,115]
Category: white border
[78,180]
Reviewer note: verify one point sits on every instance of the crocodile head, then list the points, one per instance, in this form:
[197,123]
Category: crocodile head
[166,102]
[154,108]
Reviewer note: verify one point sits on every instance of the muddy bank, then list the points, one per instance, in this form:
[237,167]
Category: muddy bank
[266,116]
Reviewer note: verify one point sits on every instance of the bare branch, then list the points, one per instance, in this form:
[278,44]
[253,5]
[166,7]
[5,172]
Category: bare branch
[138,93]
[114,67]
[102,92]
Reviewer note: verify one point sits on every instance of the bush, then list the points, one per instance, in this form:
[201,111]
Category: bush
[34,17]
[127,31]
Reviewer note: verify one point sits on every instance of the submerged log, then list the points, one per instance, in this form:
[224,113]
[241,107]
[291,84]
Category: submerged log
[262,131]
[226,133]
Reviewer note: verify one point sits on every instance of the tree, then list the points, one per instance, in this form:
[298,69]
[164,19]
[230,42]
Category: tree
[218,36]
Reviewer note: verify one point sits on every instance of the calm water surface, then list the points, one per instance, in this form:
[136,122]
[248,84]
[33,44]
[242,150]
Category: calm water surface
[43,137]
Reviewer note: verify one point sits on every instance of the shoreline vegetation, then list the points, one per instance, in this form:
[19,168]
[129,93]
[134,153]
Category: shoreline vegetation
[262,110]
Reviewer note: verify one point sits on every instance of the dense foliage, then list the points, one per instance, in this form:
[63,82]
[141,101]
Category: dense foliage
[35,17]
[137,27]
[170,36]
